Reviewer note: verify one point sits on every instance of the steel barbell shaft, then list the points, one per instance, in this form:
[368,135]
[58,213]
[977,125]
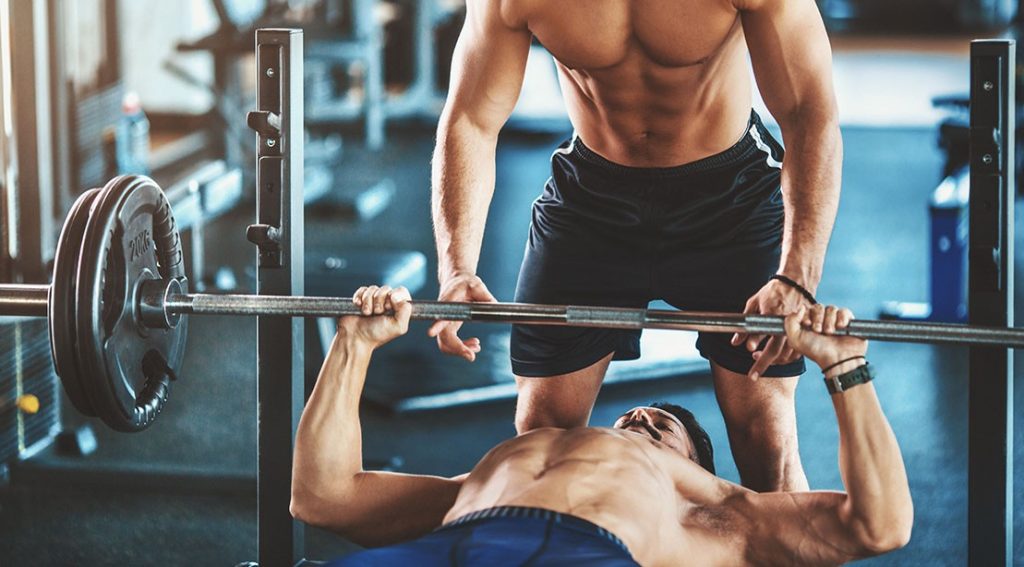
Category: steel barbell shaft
[524,313]
[604,317]
[303,306]
[909,332]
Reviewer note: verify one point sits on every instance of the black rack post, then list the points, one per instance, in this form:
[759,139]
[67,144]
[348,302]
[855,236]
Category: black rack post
[279,235]
[990,438]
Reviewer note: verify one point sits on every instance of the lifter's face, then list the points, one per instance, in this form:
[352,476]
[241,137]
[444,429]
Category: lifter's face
[660,426]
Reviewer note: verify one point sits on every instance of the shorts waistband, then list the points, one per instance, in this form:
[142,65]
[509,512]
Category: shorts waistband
[748,143]
[567,520]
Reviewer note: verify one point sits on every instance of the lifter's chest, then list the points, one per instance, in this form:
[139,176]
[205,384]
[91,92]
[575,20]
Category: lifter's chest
[596,34]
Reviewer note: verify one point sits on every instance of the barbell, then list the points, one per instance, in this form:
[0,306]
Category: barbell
[118,308]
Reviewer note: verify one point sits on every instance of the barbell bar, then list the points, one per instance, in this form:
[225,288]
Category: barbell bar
[31,300]
[588,316]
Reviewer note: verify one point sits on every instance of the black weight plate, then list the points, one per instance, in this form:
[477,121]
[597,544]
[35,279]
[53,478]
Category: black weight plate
[130,238]
[61,304]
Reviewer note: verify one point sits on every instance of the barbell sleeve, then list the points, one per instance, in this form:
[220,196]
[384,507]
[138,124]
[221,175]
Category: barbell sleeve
[24,300]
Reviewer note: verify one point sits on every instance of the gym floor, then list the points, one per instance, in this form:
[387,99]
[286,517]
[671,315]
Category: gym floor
[204,512]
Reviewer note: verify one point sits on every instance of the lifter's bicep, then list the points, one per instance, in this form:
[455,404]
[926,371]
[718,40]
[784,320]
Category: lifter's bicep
[791,55]
[487,68]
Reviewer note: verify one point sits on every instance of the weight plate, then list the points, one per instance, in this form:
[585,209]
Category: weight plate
[61,304]
[130,238]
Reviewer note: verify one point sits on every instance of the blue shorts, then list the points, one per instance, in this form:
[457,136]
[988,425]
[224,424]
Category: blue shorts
[704,236]
[504,536]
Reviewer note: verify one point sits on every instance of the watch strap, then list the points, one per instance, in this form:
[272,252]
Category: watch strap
[860,375]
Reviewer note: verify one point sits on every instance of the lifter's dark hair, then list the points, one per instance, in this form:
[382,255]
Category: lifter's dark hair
[701,439]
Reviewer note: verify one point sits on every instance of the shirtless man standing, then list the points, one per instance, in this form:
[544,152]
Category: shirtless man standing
[638,492]
[670,188]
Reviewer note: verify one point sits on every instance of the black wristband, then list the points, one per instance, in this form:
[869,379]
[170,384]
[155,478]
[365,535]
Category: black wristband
[803,291]
[860,375]
[831,366]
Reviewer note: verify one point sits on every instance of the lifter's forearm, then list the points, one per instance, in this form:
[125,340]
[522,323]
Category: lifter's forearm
[462,186]
[811,179]
[878,506]
[328,443]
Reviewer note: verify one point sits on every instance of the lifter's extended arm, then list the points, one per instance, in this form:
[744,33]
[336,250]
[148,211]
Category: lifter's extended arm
[875,515]
[330,489]
[487,75]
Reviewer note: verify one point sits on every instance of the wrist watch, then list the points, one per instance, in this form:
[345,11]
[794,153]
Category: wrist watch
[860,375]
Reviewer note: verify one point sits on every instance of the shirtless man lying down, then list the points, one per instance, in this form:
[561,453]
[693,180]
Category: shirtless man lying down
[640,492]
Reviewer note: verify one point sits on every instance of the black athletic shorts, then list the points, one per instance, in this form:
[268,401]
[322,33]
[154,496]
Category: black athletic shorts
[703,236]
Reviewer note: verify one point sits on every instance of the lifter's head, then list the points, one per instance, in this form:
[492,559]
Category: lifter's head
[674,426]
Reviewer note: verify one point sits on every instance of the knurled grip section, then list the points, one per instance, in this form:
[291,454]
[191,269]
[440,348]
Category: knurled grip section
[605,317]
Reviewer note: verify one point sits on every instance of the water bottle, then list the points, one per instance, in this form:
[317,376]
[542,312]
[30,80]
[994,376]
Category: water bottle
[132,137]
